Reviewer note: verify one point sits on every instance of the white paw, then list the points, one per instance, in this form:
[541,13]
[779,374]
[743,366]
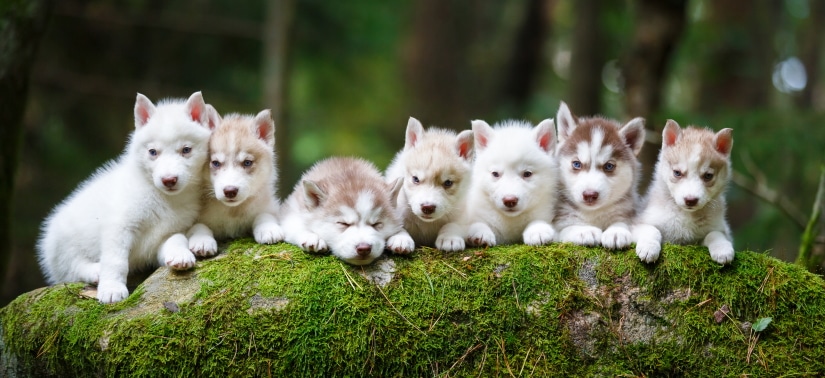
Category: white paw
[616,238]
[449,243]
[179,259]
[582,235]
[721,251]
[481,235]
[203,245]
[401,243]
[648,250]
[111,292]
[539,234]
[90,273]
[311,243]
[268,233]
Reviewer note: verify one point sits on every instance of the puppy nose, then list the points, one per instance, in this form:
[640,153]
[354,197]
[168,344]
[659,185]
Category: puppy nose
[363,249]
[169,181]
[590,196]
[691,201]
[510,201]
[427,209]
[230,191]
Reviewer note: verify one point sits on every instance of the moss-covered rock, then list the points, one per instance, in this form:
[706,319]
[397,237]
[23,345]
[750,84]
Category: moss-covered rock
[517,310]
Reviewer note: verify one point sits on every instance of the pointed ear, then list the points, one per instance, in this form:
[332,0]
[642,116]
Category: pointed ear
[546,135]
[213,118]
[464,145]
[265,127]
[313,195]
[671,133]
[196,109]
[565,121]
[481,134]
[414,131]
[144,109]
[633,133]
[395,189]
[723,142]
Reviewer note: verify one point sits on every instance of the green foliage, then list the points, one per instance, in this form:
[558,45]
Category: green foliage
[513,310]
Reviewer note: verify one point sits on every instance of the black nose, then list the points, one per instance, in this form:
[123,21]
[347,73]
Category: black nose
[691,201]
[510,201]
[363,249]
[590,196]
[428,209]
[169,181]
[230,191]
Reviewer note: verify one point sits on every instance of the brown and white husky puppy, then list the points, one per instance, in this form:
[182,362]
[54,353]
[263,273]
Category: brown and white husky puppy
[685,203]
[435,167]
[342,205]
[239,199]
[599,176]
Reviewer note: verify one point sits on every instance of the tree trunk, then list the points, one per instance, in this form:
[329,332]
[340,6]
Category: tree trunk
[526,58]
[588,57]
[810,54]
[659,26]
[21,25]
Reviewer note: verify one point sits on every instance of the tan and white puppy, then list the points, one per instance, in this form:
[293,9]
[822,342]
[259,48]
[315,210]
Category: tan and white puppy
[342,205]
[239,199]
[685,203]
[599,176]
[435,167]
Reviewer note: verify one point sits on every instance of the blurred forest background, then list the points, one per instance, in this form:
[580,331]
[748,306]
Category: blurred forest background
[342,77]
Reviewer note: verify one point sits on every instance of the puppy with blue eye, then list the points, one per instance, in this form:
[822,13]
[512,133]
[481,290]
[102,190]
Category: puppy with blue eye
[599,176]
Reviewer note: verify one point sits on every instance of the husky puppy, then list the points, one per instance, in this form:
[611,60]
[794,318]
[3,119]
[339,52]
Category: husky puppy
[132,213]
[599,175]
[685,203]
[513,193]
[239,199]
[342,205]
[435,168]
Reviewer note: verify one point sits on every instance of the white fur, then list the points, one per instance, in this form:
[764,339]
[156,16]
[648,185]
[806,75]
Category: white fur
[435,167]
[125,217]
[668,215]
[514,164]
[242,163]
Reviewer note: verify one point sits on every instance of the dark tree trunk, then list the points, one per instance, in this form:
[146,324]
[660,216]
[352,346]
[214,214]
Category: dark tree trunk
[589,55]
[527,58]
[21,25]
[811,54]
[659,27]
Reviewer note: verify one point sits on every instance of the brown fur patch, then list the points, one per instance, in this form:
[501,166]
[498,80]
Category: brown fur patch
[610,129]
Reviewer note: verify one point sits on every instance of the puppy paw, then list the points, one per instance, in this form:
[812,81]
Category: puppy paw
[582,235]
[481,235]
[648,250]
[401,243]
[203,245]
[721,251]
[179,259]
[449,243]
[616,238]
[311,243]
[111,292]
[539,234]
[268,233]
[89,273]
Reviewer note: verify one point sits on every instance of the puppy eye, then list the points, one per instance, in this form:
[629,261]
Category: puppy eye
[496,174]
[153,152]
[216,164]
[609,167]
[707,176]
[186,150]
[344,224]
[377,225]
[526,174]
[577,165]
[677,173]
[247,163]
[415,180]
[448,183]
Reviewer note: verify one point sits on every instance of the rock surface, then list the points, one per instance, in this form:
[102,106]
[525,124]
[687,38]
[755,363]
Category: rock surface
[518,310]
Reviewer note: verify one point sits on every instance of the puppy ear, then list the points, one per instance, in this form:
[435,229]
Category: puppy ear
[196,108]
[313,195]
[395,189]
[633,133]
[144,109]
[414,131]
[546,135]
[265,127]
[464,145]
[671,133]
[481,134]
[723,141]
[213,118]
[566,122]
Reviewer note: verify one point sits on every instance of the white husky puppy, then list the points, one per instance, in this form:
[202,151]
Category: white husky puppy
[435,168]
[513,193]
[132,212]
[599,174]
[685,203]
[239,198]
[342,205]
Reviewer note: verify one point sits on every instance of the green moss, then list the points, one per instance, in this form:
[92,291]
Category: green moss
[515,310]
